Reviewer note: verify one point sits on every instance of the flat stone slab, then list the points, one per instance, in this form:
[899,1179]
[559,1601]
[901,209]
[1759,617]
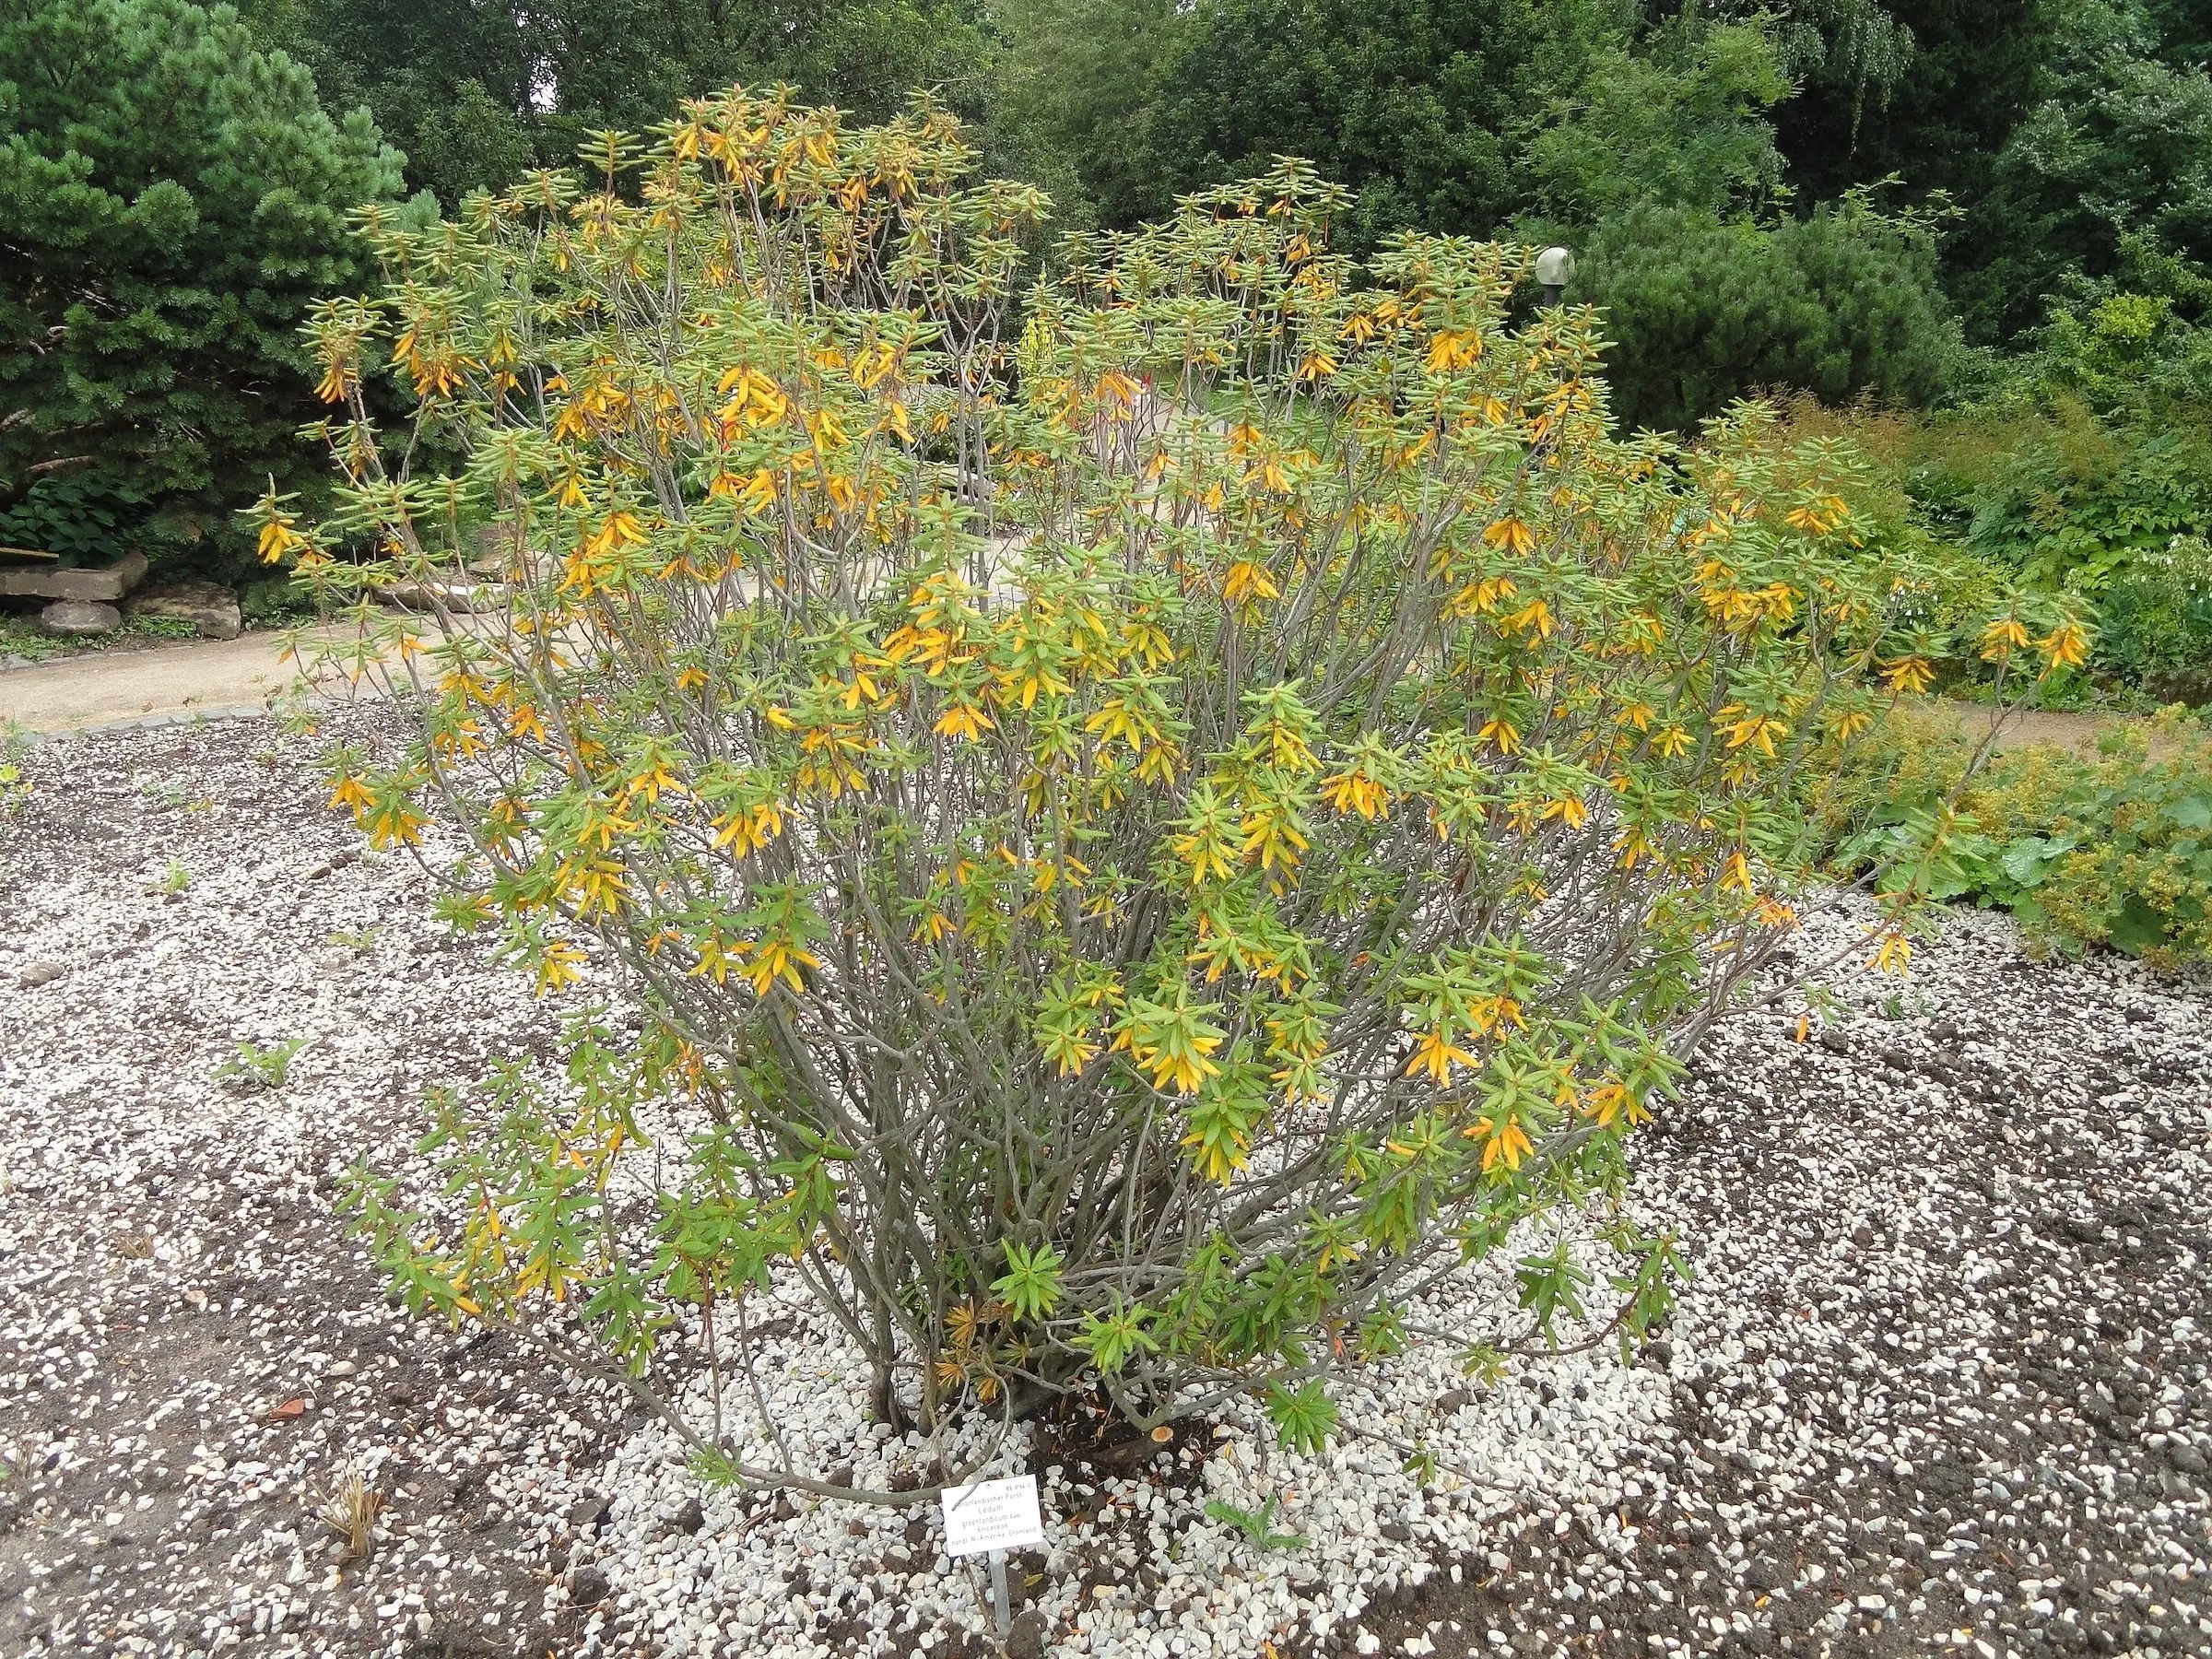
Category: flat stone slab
[94,587]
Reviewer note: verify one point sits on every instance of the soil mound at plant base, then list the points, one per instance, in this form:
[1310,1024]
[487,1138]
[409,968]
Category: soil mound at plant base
[1946,1337]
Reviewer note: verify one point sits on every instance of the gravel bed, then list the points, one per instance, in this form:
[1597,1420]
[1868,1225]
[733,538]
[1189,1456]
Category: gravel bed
[1940,1384]
[192,1354]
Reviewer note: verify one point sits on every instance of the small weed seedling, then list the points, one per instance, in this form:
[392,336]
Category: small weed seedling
[294,715]
[171,881]
[262,1067]
[1908,1003]
[1256,1524]
[13,742]
[355,938]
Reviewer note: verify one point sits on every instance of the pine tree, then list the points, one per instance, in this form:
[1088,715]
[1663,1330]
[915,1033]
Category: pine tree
[171,200]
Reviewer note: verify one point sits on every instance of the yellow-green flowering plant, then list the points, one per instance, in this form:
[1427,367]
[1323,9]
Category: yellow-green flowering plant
[1150,834]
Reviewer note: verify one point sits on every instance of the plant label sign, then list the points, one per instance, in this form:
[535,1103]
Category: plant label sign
[993,1514]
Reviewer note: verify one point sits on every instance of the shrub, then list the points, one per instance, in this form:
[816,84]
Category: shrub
[2068,497]
[2037,486]
[2113,850]
[1706,309]
[272,603]
[1131,867]
[2155,622]
[80,519]
[171,201]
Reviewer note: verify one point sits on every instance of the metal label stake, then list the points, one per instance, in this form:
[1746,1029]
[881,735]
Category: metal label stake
[998,1592]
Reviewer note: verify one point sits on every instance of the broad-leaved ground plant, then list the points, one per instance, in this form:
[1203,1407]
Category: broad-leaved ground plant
[2111,848]
[1150,834]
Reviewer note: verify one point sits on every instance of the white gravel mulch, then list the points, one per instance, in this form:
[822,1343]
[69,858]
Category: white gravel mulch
[1941,1384]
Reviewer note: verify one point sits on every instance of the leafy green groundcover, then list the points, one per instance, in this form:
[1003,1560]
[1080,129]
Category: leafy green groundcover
[2109,849]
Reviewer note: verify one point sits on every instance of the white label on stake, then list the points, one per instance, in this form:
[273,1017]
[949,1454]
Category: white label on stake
[993,1514]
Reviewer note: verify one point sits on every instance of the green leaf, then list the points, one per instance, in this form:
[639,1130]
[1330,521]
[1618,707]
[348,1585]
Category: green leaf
[1550,1285]
[1303,1419]
[1031,1284]
[2190,812]
[1256,1524]
[1117,1335]
[2025,860]
[2135,927]
[715,1467]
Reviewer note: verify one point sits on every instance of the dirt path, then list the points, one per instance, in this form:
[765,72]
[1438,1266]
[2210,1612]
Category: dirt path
[2063,729]
[111,687]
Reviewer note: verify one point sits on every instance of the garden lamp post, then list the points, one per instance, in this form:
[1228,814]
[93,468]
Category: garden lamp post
[1555,270]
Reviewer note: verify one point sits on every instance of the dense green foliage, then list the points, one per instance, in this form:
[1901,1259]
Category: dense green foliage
[2157,622]
[1703,160]
[2112,849]
[1647,144]
[2087,468]
[1704,309]
[2113,159]
[171,198]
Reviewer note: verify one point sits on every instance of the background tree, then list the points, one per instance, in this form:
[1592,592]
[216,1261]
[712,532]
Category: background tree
[1411,103]
[1415,104]
[1678,118]
[171,199]
[2110,167]
[625,63]
[1075,101]
[481,90]
[455,81]
[1702,310]
[1663,169]
[1957,76]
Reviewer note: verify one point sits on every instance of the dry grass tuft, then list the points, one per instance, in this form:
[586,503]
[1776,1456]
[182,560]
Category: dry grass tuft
[350,1509]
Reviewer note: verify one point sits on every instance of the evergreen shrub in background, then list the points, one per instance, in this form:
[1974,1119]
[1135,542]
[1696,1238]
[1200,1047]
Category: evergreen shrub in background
[171,199]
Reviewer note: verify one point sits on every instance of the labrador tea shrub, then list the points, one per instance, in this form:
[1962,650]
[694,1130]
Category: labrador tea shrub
[1145,838]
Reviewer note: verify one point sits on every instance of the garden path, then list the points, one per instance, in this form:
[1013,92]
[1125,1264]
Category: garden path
[171,682]
[152,686]
[2063,728]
